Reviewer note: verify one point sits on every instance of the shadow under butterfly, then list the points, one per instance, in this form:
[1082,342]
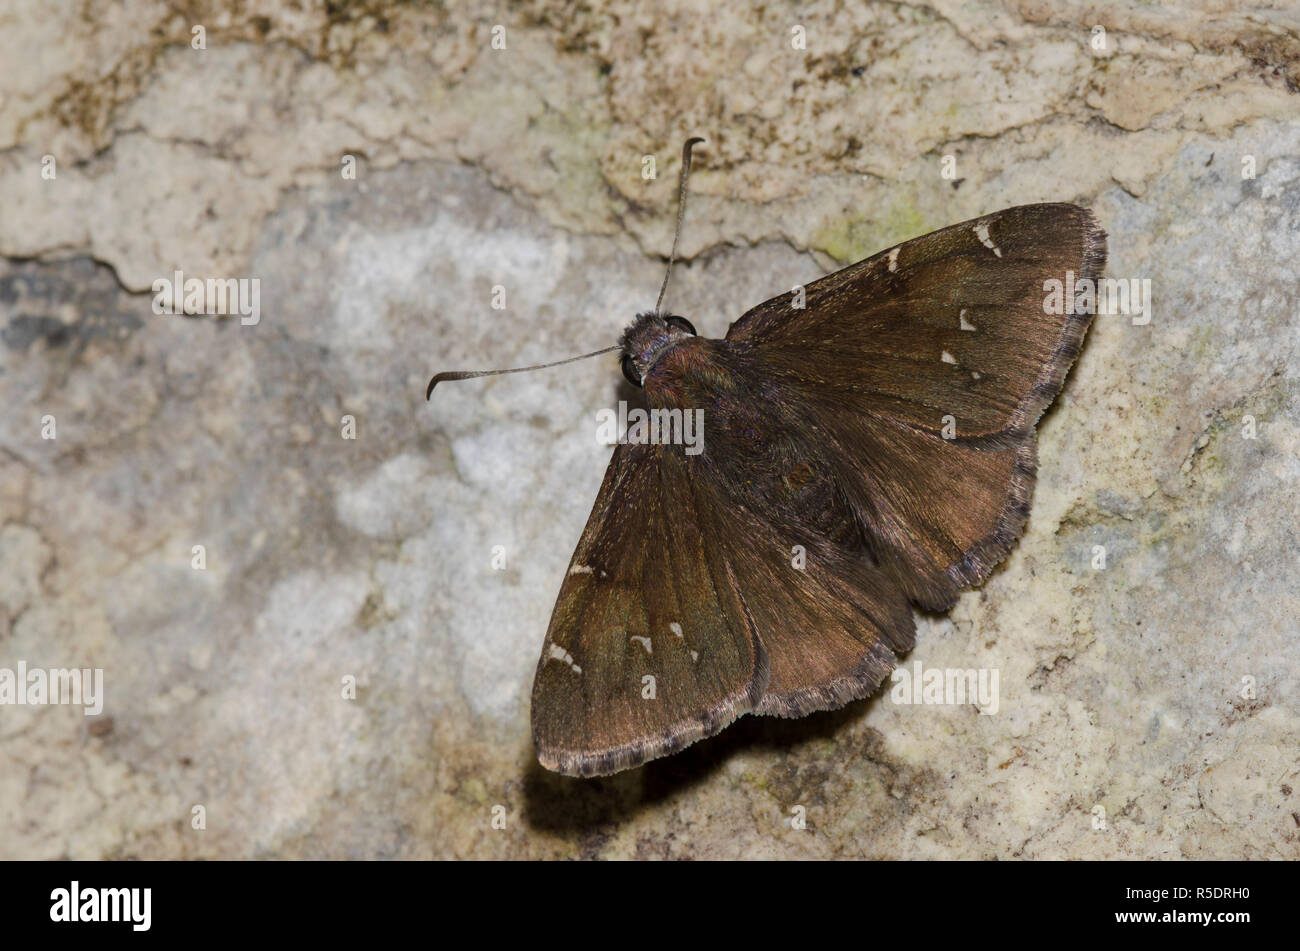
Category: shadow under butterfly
[870,450]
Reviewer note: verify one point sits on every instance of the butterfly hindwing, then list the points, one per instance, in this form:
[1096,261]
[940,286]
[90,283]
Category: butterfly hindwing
[830,621]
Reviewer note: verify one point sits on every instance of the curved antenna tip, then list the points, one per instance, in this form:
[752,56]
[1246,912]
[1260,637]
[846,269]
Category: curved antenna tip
[681,213]
[472,374]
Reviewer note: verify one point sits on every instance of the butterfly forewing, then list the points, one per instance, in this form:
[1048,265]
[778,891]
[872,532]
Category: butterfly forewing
[926,367]
[951,323]
[648,649]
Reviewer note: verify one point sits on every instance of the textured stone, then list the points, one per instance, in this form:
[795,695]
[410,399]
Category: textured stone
[1123,688]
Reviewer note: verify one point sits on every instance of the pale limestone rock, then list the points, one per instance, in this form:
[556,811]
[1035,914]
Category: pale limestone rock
[1160,690]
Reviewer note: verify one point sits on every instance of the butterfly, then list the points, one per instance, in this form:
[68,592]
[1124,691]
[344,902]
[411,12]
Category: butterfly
[869,447]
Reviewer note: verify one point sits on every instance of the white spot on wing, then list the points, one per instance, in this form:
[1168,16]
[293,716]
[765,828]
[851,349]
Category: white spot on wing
[982,232]
[948,357]
[965,324]
[695,655]
[559,653]
[675,628]
[645,642]
[893,260]
[580,570]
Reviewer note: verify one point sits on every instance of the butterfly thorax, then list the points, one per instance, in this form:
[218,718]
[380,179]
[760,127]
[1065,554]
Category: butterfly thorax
[753,448]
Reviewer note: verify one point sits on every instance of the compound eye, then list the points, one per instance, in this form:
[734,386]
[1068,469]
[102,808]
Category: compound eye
[629,371]
[681,323]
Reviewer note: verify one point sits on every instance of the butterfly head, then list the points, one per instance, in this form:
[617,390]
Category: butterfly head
[647,339]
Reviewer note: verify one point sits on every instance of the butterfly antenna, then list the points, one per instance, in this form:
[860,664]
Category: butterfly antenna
[681,212]
[470,374]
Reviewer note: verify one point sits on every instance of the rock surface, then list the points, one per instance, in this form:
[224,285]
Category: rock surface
[1147,709]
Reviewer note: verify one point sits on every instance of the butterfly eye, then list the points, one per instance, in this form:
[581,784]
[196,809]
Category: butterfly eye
[629,371]
[681,323]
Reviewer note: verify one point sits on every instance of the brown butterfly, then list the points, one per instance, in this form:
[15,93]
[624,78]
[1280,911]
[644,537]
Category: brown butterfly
[869,450]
